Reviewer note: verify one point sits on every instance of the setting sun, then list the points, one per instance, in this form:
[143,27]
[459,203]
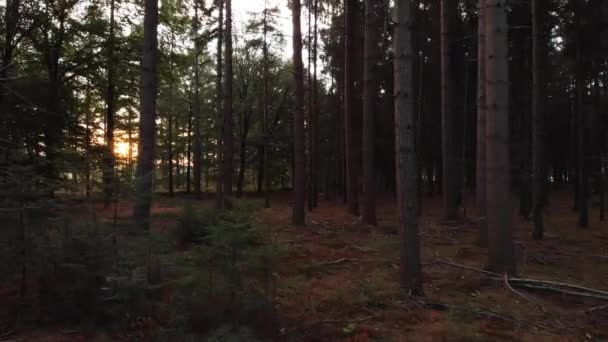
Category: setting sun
[121,149]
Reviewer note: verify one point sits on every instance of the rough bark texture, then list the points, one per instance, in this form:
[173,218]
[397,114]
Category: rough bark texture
[405,151]
[197,143]
[228,157]
[147,125]
[500,251]
[369,95]
[108,169]
[352,169]
[189,151]
[315,123]
[450,184]
[298,121]
[538,122]
[583,209]
[481,126]
[219,183]
[265,166]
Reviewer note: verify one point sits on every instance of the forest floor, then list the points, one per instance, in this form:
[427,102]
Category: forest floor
[337,279]
[347,278]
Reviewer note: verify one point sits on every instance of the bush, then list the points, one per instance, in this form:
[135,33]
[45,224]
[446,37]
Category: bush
[192,227]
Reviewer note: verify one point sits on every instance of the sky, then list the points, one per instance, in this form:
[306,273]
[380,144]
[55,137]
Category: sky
[244,9]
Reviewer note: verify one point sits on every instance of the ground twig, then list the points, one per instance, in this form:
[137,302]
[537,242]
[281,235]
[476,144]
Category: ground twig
[508,285]
[355,320]
[336,262]
[479,312]
[565,288]
[596,308]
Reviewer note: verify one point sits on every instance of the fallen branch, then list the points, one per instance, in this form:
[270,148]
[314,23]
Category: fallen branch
[466,268]
[567,292]
[558,284]
[363,249]
[355,320]
[508,285]
[565,288]
[336,262]
[596,308]
[479,312]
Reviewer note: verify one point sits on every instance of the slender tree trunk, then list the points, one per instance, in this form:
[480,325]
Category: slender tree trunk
[310,116]
[538,118]
[583,210]
[265,171]
[108,170]
[228,155]
[450,190]
[242,155]
[298,122]
[145,157]
[189,151]
[315,122]
[369,91]
[352,173]
[130,141]
[481,126]
[219,196]
[87,140]
[170,153]
[500,252]
[405,150]
[197,143]
[259,189]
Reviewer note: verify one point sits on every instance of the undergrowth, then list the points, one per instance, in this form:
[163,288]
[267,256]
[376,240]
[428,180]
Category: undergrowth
[215,277]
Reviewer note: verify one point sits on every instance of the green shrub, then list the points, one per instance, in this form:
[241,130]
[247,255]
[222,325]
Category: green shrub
[192,226]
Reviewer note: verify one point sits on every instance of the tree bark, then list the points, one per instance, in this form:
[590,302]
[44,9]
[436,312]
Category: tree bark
[298,122]
[145,157]
[500,252]
[450,185]
[265,167]
[219,196]
[228,155]
[481,126]
[583,210]
[197,143]
[108,170]
[189,151]
[369,95]
[538,122]
[405,151]
[352,168]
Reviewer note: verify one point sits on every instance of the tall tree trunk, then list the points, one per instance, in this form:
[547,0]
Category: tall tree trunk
[450,185]
[240,183]
[189,151]
[538,118]
[170,150]
[310,115]
[197,143]
[108,170]
[264,158]
[352,167]
[228,155]
[405,151]
[145,157]
[369,92]
[219,182]
[298,121]
[583,210]
[500,252]
[481,126]
[87,140]
[315,112]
